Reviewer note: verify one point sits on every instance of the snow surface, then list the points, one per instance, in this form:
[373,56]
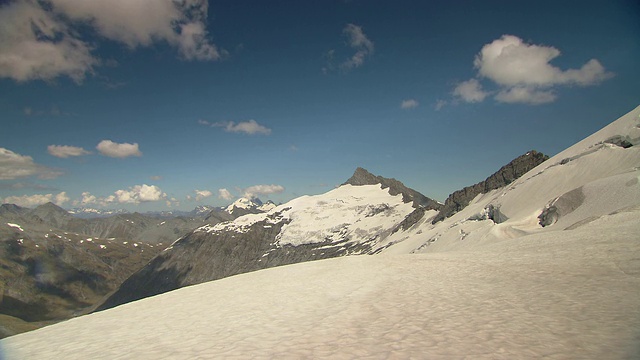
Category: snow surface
[357,213]
[15,226]
[241,203]
[559,295]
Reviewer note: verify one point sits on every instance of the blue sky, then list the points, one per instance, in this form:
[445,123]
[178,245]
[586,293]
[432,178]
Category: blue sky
[156,105]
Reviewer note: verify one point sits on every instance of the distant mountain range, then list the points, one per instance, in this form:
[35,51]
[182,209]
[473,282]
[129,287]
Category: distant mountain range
[88,212]
[55,264]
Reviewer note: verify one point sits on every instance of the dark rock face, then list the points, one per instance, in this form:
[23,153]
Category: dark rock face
[506,175]
[363,177]
[624,142]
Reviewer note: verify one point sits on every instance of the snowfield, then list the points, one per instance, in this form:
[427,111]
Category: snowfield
[357,213]
[559,295]
[490,282]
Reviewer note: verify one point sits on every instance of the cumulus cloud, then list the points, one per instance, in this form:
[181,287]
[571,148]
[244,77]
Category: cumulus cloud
[357,40]
[139,193]
[172,202]
[88,199]
[409,104]
[250,127]
[523,72]
[35,44]
[14,166]
[40,39]
[224,194]
[134,195]
[202,194]
[116,150]
[509,61]
[470,91]
[37,199]
[65,151]
[61,198]
[255,190]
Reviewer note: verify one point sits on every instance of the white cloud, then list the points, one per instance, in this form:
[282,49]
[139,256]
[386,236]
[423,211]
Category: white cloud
[523,73]
[202,194]
[87,199]
[181,23]
[116,150]
[250,127]
[470,91]
[224,194]
[409,104]
[172,202]
[139,193]
[61,198]
[509,61]
[155,177]
[361,43]
[14,166]
[40,39]
[35,44]
[255,190]
[65,151]
[90,199]
[37,199]
[440,104]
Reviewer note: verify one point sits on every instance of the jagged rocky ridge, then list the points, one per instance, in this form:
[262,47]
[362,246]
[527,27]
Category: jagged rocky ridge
[458,200]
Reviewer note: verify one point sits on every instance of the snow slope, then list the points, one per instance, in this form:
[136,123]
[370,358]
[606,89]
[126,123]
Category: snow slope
[557,296]
[588,180]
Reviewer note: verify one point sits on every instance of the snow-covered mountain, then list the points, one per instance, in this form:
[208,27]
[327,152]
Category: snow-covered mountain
[546,266]
[202,210]
[244,206]
[348,220]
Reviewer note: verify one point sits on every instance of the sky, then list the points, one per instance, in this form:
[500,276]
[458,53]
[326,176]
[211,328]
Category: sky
[169,104]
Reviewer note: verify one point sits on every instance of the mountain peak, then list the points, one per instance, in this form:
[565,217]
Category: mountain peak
[11,208]
[363,177]
[51,207]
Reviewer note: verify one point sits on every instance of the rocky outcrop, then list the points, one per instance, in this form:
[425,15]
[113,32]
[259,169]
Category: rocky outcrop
[363,177]
[506,175]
